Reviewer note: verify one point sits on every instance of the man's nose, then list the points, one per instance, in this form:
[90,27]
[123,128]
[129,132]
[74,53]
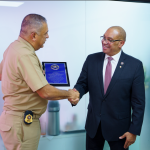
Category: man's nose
[105,41]
[47,36]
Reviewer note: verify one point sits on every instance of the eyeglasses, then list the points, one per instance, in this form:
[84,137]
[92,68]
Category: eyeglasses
[108,40]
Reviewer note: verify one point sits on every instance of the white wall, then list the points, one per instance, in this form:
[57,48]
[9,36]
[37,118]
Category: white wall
[74,31]
[64,141]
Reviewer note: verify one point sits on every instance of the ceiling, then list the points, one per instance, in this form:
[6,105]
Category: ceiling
[138,1]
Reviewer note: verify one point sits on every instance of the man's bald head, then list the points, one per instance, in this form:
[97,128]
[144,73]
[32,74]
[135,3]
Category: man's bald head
[32,23]
[121,32]
[113,40]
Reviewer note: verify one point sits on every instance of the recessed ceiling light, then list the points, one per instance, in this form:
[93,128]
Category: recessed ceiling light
[10,3]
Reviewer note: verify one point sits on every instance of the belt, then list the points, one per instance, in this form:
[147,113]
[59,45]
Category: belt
[21,114]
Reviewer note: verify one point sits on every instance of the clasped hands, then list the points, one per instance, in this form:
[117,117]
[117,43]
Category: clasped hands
[74,96]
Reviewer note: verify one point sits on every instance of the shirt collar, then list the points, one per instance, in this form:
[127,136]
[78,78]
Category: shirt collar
[26,43]
[115,57]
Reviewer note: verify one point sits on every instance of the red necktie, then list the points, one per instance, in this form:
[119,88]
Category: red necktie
[107,74]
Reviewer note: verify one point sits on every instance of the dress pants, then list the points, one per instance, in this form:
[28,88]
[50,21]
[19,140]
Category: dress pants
[17,135]
[97,143]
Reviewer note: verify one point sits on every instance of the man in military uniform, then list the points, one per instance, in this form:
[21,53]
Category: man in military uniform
[25,87]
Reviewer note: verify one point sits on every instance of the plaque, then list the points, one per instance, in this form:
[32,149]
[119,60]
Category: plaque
[56,73]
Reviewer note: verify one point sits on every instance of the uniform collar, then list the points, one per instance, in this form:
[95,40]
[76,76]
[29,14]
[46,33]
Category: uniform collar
[20,39]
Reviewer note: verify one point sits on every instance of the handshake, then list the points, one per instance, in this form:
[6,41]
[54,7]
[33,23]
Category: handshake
[74,96]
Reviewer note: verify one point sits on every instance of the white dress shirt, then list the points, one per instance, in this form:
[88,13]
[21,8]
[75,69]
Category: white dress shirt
[114,63]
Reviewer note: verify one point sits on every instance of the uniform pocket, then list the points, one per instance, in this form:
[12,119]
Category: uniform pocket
[4,127]
[31,131]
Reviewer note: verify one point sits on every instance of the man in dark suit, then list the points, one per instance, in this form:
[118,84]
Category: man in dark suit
[115,82]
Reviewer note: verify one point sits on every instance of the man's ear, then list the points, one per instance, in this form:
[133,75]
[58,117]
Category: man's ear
[33,36]
[121,43]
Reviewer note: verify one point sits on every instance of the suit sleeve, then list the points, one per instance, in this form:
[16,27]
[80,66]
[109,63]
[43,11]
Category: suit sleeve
[82,82]
[137,101]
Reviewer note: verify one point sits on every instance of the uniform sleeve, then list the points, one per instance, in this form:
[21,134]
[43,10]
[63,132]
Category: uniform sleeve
[1,67]
[2,62]
[29,69]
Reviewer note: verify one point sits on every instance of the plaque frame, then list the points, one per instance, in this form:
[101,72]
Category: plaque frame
[66,70]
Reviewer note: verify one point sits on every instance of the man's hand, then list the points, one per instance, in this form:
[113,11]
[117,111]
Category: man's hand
[130,139]
[74,101]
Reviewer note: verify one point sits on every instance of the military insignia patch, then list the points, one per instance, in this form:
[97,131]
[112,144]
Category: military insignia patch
[28,117]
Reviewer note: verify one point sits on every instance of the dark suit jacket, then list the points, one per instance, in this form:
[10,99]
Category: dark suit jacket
[126,90]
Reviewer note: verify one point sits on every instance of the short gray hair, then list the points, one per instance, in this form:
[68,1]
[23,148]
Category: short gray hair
[32,23]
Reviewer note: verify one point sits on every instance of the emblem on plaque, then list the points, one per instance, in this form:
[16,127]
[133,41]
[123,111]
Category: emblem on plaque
[54,67]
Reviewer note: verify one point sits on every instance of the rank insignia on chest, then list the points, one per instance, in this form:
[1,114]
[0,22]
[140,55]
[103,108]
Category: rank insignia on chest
[28,115]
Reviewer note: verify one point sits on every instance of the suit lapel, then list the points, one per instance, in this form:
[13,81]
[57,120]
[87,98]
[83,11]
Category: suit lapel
[119,68]
[100,72]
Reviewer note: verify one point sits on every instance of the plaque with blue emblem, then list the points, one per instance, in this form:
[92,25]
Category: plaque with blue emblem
[56,73]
